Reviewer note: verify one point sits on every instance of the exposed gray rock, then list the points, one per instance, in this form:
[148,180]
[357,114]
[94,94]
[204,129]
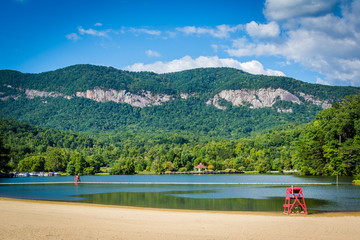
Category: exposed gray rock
[283,110]
[324,104]
[10,96]
[143,100]
[31,93]
[264,97]
[186,95]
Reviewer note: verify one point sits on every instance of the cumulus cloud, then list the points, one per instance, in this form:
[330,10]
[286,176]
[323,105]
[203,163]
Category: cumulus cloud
[98,24]
[320,81]
[73,36]
[221,31]
[327,43]
[151,53]
[187,63]
[93,32]
[285,9]
[143,31]
[271,29]
[243,47]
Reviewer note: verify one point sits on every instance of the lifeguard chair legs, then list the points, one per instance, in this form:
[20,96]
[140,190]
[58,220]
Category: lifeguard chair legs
[294,201]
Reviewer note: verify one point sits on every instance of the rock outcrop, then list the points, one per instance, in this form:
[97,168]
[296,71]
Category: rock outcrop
[31,93]
[144,99]
[186,95]
[324,104]
[261,98]
[264,97]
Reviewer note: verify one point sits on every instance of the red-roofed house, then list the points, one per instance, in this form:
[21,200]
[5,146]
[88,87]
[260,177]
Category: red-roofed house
[200,167]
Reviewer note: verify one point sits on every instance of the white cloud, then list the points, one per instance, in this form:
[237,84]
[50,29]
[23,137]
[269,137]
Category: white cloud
[242,47]
[320,81]
[187,63]
[151,53]
[73,36]
[271,29]
[327,44]
[98,24]
[221,31]
[171,34]
[287,9]
[143,31]
[93,32]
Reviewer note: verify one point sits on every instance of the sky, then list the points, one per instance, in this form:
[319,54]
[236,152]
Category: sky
[316,41]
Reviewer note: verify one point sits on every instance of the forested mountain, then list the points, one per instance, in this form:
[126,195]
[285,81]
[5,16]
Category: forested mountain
[328,145]
[83,118]
[210,102]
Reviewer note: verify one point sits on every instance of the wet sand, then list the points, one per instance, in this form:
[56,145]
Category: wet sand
[28,219]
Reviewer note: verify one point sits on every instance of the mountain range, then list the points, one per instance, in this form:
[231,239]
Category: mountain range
[208,102]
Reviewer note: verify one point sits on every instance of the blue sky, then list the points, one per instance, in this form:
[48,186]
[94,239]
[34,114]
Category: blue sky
[316,41]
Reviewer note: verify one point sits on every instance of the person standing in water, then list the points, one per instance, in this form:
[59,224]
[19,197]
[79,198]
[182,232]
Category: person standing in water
[77,179]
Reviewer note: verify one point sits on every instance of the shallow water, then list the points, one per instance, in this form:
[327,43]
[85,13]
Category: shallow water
[202,192]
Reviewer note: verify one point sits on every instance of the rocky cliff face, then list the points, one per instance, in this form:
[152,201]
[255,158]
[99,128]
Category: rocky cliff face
[316,101]
[264,97]
[261,98]
[144,99]
[31,93]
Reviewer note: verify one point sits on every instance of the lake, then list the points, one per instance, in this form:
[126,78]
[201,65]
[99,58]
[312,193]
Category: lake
[238,192]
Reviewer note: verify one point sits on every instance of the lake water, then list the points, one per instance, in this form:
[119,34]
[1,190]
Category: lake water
[201,192]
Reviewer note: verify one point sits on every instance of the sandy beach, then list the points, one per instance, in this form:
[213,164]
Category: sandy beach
[28,219]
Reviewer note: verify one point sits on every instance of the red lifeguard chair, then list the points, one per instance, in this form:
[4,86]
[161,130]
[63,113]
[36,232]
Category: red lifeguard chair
[294,201]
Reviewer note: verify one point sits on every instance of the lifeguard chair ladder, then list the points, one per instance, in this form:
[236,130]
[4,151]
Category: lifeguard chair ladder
[294,201]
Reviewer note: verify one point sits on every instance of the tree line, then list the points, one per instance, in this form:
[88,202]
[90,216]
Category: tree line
[328,145]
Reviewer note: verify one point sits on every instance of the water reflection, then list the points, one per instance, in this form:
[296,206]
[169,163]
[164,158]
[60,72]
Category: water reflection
[157,193]
[172,201]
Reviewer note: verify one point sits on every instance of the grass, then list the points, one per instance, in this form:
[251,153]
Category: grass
[356,182]
[145,173]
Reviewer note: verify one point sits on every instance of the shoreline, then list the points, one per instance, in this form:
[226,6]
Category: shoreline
[24,219]
[262,213]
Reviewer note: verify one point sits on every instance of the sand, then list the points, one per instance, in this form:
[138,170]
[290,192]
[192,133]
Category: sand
[27,219]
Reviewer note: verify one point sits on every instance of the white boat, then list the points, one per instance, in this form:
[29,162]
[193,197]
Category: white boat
[25,174]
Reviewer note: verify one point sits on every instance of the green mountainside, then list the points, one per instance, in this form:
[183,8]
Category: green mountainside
[191,115]
[328,145]
[85,119]
[203,80]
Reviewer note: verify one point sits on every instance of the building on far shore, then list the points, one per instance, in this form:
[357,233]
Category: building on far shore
[200,167]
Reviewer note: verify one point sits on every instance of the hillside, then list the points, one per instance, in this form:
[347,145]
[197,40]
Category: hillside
[210,102]
[328,145]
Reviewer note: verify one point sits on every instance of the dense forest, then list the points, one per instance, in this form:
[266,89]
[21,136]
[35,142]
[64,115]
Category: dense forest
[328,145]
[204,81]
[78,135]
[190,117]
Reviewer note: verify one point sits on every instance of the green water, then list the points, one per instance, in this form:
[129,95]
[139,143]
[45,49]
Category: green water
[171,201]
[217,193]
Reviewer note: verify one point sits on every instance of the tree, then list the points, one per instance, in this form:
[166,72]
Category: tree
[123,167]
[32,164]
[56,159]
[70,168]
[4,158]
